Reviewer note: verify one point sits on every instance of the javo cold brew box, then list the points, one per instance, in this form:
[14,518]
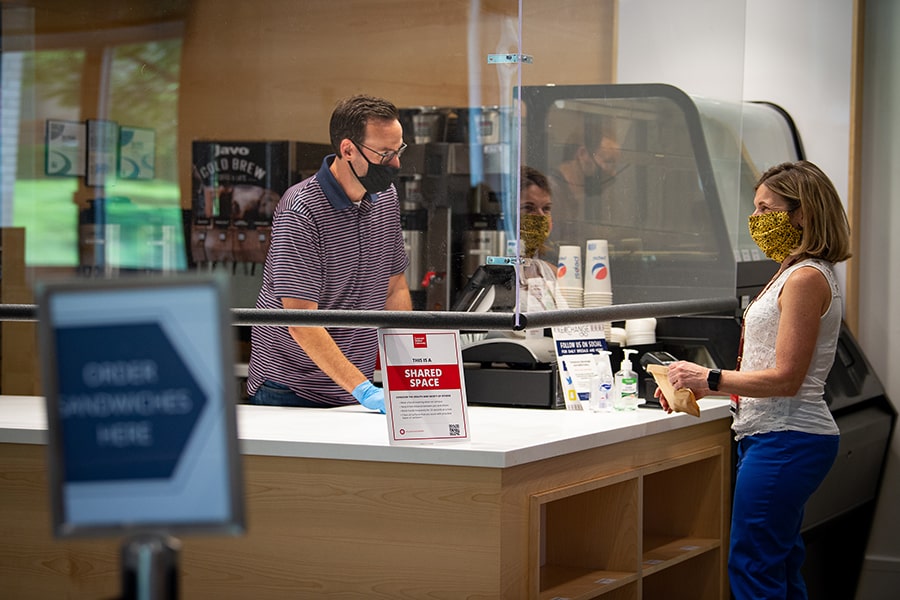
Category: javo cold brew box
[236,187]
[238,182]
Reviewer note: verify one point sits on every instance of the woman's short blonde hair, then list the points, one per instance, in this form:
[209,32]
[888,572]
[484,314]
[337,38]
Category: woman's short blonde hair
[826,231]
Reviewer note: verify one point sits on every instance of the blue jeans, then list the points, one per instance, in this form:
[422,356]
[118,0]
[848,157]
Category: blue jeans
[776,474]
[271,393]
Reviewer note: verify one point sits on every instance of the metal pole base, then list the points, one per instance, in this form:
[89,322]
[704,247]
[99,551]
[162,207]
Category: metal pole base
[150,567]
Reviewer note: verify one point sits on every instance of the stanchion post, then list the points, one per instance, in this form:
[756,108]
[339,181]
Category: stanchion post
[150,567]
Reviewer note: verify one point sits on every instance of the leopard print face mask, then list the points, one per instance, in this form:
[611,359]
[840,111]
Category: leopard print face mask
[534,231]
[775,235]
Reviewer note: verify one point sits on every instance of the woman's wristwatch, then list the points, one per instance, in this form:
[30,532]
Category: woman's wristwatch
[712,379]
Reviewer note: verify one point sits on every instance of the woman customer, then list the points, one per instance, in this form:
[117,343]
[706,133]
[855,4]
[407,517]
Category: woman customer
[787,438]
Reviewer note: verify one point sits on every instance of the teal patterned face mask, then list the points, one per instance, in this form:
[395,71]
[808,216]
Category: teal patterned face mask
[775,235]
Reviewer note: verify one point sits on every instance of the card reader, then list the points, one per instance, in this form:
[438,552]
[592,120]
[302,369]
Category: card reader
[656,357]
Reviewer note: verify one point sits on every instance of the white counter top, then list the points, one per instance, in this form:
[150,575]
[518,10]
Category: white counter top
[500,437]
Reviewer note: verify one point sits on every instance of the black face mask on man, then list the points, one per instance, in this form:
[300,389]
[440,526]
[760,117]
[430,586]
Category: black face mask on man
[378,178]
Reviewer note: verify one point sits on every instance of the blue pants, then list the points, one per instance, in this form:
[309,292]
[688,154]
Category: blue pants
[776,474]
[271,393]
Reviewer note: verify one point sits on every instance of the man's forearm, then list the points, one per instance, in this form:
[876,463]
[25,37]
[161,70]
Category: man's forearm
[322,350]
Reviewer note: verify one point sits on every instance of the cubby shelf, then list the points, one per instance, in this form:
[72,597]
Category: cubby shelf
[577,584]
[666,554]
[639,533]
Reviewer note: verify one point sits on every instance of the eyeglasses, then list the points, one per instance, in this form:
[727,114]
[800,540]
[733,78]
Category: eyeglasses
[386,157]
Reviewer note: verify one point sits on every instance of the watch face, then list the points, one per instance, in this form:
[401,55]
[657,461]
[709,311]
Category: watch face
[712,380]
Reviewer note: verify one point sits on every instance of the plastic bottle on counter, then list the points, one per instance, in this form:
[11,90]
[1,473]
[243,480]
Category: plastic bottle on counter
[602,383]
[626,387]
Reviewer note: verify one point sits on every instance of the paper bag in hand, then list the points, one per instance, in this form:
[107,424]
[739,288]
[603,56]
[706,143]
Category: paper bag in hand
[682,400]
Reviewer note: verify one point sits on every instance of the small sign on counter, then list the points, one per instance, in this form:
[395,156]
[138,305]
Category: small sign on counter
[576,346]
[424,391]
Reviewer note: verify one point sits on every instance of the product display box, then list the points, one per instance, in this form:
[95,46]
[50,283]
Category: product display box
[236,187]
[238,182]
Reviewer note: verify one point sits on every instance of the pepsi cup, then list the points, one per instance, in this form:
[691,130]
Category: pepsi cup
[596,267]
[569,268]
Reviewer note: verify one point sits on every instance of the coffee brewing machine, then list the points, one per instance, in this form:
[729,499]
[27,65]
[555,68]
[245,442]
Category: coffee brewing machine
[414,223]
[455,181]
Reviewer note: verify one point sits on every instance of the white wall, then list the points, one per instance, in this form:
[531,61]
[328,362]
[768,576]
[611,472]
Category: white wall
[798,54]
[695,45]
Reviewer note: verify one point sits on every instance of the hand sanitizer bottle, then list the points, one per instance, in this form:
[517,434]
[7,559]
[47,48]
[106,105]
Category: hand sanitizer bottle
[626,389]
[602,383]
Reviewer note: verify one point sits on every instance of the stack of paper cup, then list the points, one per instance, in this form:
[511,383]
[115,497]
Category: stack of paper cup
[569,273]
[639,332]
[597,282]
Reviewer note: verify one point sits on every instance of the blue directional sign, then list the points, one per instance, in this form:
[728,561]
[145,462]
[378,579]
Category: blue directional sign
[127,402]
[141,405]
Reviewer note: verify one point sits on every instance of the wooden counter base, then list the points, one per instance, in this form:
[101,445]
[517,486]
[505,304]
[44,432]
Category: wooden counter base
[346,528]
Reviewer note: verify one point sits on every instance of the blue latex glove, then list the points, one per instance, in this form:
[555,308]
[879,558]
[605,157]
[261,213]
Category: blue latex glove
[370,396]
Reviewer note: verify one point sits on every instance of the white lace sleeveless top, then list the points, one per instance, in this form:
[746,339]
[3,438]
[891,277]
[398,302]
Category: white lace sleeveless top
[807,411]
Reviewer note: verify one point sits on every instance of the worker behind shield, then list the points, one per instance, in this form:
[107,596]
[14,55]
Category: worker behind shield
[336,244]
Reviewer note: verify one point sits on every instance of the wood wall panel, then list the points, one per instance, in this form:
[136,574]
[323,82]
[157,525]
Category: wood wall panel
[274,69]
[19,373]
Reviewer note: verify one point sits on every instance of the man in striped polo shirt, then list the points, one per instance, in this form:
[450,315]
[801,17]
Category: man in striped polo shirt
[336,245]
